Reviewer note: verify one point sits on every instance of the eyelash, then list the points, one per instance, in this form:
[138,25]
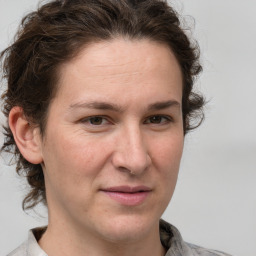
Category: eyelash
[168,119]
[88,120]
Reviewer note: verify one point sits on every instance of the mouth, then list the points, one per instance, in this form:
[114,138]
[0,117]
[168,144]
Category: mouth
[126,195]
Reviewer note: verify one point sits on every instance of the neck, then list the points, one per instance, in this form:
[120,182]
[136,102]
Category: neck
[68,241]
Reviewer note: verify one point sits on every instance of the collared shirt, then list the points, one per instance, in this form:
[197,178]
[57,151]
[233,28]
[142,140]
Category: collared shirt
[170,237]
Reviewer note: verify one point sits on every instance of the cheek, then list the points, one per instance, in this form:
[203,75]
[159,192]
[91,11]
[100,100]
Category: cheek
[71,165]
[80,151]
[167,152]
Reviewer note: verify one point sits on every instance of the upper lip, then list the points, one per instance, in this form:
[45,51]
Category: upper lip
[127,189]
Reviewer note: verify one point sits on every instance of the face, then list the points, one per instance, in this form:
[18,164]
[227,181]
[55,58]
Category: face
[114,139]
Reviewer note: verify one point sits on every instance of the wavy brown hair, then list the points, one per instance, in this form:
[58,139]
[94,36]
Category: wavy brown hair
[55,34]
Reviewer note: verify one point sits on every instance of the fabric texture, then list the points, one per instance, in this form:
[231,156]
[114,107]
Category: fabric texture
[170,238]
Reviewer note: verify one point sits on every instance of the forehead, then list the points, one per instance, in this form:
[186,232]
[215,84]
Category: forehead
[115,56]
[112,66]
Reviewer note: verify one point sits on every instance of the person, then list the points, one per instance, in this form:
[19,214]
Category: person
[99,98]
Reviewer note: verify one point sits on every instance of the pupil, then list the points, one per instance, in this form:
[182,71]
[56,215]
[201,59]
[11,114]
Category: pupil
[96,120]
[156,119]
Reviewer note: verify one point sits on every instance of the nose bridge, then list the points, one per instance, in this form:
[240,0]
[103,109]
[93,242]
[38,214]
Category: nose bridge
[135,141]
[133,152]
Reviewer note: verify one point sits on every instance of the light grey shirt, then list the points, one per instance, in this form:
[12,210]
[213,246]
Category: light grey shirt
[170,238]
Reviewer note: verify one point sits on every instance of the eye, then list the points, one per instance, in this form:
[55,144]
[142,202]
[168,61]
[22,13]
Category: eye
[95,120]
[158,119]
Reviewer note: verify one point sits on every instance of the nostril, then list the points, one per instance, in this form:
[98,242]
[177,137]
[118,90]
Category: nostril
[131,158]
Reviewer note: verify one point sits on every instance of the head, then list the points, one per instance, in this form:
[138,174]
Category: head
[57,33]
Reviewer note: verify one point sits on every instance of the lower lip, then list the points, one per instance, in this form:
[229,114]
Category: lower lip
[130,199]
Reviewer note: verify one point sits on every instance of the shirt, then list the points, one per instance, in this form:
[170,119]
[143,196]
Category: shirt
[170,238]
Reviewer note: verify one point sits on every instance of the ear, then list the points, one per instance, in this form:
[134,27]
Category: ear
[26,136]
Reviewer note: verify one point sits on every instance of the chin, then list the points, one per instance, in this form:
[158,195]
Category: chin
[128,228]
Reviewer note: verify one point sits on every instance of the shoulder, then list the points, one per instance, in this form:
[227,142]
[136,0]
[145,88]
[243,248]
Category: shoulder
[20,251]
[200,251]
[176,246]
[30,247]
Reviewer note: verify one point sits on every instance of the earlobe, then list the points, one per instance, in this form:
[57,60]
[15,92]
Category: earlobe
[26,136]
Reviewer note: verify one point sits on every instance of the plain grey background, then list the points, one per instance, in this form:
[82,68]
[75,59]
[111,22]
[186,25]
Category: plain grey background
[215,200]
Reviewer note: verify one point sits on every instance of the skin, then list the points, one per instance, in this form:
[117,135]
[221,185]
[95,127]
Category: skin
[134,88]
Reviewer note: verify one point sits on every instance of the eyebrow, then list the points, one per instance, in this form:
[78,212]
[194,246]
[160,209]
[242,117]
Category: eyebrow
[101,105]
[164,105]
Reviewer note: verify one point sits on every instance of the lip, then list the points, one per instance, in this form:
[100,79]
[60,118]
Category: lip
[127,195]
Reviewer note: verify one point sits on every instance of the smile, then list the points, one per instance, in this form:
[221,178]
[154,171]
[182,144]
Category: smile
[130,196]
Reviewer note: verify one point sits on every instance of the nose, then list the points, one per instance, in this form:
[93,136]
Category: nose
[131,154]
